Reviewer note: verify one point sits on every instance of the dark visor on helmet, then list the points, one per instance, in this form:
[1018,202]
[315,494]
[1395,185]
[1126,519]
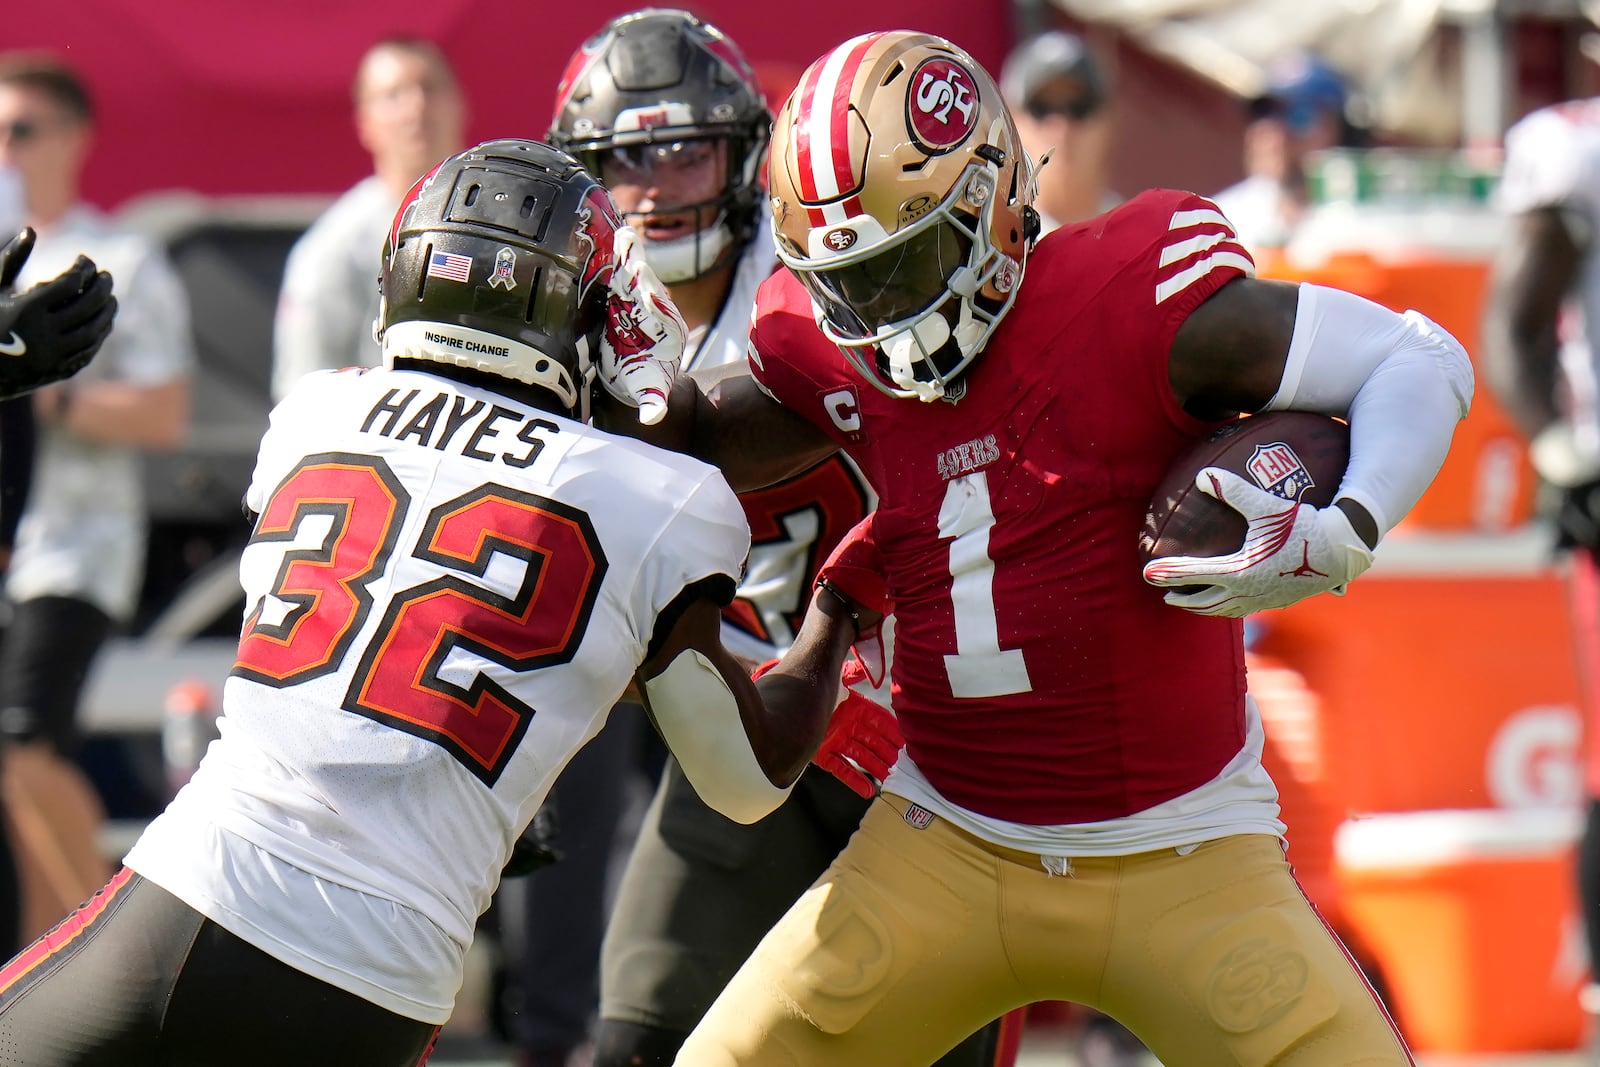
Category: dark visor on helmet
[900,282]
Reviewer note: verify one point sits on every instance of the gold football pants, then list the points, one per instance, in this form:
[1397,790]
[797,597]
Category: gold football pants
[914,938]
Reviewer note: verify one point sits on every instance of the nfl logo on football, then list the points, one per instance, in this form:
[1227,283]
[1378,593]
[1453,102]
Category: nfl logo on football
[1277,469]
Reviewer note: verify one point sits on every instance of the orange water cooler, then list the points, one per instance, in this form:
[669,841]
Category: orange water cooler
[1447,731]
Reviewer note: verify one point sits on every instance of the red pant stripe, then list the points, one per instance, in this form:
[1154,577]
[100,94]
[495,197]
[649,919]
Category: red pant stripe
[433,1043]
[63,933]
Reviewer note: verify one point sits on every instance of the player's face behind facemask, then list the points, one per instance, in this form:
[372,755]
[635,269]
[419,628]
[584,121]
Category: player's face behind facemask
[675,194]
[496,267]
[668,110]
[910,224]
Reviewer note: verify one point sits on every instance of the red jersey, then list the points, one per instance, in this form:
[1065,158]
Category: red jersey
[1038,678]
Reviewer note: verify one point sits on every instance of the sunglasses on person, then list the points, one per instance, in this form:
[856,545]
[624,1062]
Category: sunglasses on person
[1077,108]
[21,131]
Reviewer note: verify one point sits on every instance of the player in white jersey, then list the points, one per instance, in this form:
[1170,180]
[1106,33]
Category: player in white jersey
[1541,349]
[452,578]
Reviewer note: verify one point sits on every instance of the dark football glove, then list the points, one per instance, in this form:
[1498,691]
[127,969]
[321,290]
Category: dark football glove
[536,848]
[50,331]
[1575,513]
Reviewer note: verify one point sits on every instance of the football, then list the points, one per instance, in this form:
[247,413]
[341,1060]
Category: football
[1298,455]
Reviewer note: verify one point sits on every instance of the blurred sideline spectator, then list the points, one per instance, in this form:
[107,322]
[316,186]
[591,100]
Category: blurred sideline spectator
[1541,352]
[1301,112]
[409,114]
[1061,100]
[79,557]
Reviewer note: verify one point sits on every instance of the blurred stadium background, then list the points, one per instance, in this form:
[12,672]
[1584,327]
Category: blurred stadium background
[1425,729]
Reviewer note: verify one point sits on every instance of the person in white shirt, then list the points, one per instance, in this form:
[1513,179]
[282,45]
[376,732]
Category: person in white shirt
[409,114]
[452,577]
[1302,111]
[1541,353]
[79,559]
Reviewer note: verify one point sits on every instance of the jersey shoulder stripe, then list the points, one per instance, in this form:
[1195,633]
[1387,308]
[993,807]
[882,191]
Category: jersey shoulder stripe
[1199,241]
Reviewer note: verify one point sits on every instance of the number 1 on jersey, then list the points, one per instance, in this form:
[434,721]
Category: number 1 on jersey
[979,668]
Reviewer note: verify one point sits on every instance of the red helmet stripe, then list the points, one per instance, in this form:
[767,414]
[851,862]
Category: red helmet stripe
[804,96]
[405,204]
[823,140]
[577,65]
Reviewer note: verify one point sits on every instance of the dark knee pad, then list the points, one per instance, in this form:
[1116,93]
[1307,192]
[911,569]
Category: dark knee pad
[620,1044]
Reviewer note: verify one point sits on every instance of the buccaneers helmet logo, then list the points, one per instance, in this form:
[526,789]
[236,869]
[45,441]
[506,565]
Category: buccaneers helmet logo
[597,231]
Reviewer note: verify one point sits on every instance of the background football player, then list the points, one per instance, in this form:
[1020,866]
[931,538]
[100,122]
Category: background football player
[1541,335]
[1080,812]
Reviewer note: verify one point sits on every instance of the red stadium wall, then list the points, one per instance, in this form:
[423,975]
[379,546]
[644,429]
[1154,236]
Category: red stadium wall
[254,98]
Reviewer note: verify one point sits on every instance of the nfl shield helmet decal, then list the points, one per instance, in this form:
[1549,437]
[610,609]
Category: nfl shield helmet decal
[1276,468]
[941,104]
[504,275]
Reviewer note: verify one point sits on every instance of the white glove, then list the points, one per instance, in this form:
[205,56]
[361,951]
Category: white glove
[644,335]
[1290,551]
[1564,457]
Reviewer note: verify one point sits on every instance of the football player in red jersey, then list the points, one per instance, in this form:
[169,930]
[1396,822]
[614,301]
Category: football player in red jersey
[665,109]
[1080,812]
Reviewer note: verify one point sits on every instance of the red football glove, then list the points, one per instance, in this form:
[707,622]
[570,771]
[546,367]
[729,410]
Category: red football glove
[862,741]
[854,573]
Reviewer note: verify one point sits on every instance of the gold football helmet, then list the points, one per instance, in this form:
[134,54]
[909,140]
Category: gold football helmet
[902,199]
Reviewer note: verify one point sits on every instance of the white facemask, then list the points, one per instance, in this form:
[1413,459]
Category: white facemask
[677,260]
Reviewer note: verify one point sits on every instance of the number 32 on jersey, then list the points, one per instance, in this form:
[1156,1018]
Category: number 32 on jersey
[320,599]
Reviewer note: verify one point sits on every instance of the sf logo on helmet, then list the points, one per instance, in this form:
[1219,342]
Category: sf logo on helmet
[840,239]
[942,103]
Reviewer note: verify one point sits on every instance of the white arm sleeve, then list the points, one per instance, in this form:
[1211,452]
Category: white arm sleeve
[1402,381]
[699,719]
